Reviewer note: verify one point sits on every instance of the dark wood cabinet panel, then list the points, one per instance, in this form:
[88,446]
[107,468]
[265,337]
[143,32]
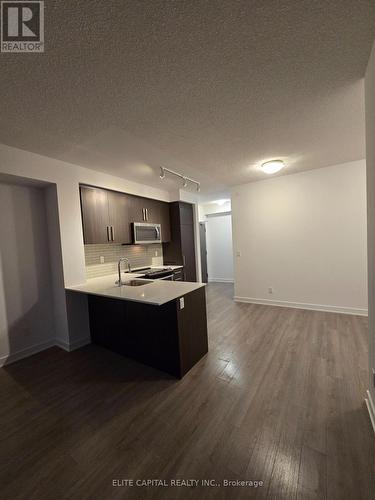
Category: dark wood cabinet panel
[95,215]
[186,213]
[153,211]
[136,207]
[152,208]
[188,252]
[165,221]
[119,217]
[181,249]
[165,337]
[107,215]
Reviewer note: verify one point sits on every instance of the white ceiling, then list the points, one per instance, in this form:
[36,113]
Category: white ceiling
[209,88]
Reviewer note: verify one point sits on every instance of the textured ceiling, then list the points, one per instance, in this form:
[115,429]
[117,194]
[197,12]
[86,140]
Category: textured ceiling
[210,88]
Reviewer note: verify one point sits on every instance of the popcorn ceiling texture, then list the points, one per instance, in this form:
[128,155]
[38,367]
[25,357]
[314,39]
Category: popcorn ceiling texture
[208,88]
[139,255]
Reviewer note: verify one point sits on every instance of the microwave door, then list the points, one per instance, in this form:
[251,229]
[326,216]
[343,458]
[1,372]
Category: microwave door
[146,233]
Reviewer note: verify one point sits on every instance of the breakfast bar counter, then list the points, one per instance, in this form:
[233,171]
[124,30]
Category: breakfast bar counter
[159,323]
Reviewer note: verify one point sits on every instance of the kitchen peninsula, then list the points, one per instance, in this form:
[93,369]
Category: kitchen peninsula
[160,323]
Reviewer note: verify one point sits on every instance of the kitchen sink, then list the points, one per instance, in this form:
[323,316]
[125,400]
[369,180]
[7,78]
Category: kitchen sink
[136,283]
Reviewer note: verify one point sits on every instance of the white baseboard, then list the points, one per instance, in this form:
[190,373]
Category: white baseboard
[29,351]
[25,353]
[219,280]
[72,346]
[371,408]
[301,305]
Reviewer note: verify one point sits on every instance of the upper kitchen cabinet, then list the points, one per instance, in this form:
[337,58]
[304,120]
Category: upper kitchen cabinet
[105,216]
[152,208]
[152,211]
[95,215]
[165,221]
[136,209]
[119,217]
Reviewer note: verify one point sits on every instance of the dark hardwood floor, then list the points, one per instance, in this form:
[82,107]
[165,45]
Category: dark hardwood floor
[278,399]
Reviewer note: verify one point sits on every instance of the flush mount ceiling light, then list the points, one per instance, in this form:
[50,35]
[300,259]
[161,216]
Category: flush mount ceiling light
[273,166]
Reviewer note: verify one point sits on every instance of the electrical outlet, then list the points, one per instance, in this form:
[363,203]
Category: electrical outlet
[156,253]
[270,289]
[238,254]
[182,302]
[101,259]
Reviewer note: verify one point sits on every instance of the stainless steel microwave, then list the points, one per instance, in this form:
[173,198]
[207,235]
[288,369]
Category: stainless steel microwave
[145,232]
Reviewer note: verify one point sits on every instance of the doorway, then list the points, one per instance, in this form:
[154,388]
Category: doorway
[202,238]
[219,247]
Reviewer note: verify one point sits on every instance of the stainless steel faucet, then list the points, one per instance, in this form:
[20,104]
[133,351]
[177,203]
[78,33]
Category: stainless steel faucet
[119,281]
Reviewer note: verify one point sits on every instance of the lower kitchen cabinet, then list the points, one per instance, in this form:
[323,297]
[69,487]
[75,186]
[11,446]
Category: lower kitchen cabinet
[169,337]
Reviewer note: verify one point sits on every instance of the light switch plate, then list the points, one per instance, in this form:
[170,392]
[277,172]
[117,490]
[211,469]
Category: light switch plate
[101,258]
[182,302]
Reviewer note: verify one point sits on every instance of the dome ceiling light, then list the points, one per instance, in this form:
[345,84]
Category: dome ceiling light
[273,166]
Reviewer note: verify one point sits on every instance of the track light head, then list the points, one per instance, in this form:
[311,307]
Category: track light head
[162,173]
[185,183]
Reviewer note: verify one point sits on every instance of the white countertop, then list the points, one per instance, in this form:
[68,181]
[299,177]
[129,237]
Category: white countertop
[156,292]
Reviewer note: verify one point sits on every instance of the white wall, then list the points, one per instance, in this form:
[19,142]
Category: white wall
[370,160]
[67,178]
[26,298]
[304,235]
[219,248]
[205,209]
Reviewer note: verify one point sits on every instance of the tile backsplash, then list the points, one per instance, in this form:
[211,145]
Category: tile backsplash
[139,255]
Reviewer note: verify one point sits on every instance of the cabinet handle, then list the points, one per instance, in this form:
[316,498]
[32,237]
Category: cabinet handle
[108,234]
[113,233]
[147,214]
[183,259]
[144,214]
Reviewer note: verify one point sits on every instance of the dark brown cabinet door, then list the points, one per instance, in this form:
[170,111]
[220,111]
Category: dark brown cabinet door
[107,215]
[119,217]
[165,222]
[186,213]
[188,251]
[187,241]
[95,215]
[136,209]
[180,250]
[152,208]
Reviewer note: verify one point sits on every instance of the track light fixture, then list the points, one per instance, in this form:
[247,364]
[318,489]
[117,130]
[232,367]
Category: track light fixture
[185,180]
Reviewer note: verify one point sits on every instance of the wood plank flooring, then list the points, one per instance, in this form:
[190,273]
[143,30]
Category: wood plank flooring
[278,399]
